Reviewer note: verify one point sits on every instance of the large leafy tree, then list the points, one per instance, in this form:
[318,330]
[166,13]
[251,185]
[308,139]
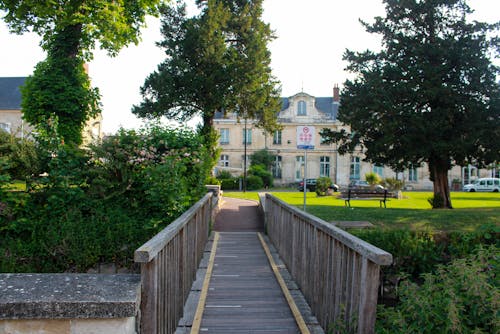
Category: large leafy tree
[70,29]
[430,95]
[217,61]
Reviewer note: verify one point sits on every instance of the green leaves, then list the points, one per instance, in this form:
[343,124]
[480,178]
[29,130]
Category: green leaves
[430,95]
[216,61]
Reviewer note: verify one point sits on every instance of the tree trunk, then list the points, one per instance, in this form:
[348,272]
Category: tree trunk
[439,176]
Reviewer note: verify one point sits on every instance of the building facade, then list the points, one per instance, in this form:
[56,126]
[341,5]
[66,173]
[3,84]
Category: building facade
[318,112]
[11,119]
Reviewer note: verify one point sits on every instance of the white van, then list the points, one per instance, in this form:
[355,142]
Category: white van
[484,184]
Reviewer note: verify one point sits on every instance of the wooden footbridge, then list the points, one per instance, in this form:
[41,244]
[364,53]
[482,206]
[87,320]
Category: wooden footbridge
[304,276]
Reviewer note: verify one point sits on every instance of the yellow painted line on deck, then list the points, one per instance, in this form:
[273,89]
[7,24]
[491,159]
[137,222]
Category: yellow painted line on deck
[195,329]
[291,303]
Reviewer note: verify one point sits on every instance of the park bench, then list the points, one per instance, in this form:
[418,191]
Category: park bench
[365,194]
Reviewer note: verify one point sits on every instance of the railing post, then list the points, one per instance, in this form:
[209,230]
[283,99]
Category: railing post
[368,297]
[149,285]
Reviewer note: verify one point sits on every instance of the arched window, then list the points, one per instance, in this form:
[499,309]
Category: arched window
[301,108]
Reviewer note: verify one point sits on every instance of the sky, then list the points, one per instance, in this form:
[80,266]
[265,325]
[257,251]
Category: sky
[306,56]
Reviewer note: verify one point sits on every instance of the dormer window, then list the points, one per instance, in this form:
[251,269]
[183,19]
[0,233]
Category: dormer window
[302,108]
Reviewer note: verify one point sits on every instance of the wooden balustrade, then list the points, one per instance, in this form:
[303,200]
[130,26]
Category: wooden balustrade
[169,262]
[337,272]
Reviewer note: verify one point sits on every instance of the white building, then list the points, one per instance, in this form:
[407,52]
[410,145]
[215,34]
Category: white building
[319,112]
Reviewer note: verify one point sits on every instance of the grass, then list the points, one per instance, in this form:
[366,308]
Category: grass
[17,185]
[471,210]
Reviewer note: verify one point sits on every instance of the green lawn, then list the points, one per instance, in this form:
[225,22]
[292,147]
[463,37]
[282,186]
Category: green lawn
[471,210]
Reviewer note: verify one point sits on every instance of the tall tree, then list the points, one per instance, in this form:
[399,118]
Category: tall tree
[430,95]
[217,61]
[69,31]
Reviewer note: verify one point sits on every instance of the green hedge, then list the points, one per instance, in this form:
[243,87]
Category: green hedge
[99,205]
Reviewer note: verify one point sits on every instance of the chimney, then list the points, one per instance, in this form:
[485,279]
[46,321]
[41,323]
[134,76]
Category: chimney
[86,68]
[336,94]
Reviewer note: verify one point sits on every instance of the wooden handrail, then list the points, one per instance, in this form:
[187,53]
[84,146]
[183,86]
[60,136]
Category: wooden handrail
[337,272]
[169,262]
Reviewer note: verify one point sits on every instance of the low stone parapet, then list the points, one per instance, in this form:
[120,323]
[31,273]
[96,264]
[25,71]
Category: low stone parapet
[69,303]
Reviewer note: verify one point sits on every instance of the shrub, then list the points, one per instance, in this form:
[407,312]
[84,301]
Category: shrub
[212,180]
[261,172]
[372,178]
[322,185]
[224,174]
[417,252]
[99,205]
[230,184]
[254,182]
[461,297]
[393,184]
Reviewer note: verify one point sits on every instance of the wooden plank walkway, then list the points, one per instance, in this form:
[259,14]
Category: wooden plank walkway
[242,293]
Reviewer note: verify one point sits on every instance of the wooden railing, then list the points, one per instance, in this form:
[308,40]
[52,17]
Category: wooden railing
[169,262]
[337,272]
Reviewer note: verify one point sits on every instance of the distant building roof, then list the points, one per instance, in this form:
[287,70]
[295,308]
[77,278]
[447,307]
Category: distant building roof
[325,105]
[10,94]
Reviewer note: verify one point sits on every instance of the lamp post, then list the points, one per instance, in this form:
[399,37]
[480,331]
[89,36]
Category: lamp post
[245,136]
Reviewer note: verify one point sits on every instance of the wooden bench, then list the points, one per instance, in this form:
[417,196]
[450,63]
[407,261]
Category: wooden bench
[365,194]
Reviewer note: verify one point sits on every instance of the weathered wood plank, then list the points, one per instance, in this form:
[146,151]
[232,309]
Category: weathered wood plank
[367,250]
[148,251]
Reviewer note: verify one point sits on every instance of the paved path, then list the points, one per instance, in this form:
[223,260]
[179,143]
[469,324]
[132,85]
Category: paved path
[239,215]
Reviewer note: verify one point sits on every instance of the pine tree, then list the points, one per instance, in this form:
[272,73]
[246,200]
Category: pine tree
[430,95]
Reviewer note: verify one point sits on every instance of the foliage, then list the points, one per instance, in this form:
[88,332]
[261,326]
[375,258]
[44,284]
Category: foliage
[114,24]
[99,205]
[224,174]
[431,80]
[59,86]
[417,252]
[216,61]
[372,178]
[254,182]
[20,156]
[212,180]
[264,174]
[322,185]
[459,298]
[393,184]
[263,157]
[230,183]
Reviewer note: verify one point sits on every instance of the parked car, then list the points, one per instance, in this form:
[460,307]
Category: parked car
[484,184]
[311,185]
[358,184]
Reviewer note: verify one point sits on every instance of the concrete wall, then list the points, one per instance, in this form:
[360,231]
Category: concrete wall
[69,303]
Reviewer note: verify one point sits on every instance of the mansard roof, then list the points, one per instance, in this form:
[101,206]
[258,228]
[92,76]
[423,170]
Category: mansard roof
[10,94]
[325,105]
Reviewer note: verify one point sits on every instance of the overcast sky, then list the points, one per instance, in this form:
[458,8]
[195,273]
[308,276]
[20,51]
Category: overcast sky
[311,35]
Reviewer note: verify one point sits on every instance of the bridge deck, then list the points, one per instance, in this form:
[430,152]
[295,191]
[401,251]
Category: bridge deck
[242,293]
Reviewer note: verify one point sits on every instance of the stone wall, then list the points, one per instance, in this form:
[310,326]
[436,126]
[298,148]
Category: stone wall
[69,303]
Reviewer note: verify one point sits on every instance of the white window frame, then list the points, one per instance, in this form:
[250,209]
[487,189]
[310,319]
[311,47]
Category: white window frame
[277,170]
[248,136]
[324,166]
[6,127]
[301,108]
[355,168]
[277,137]
[224,136]
[224,160]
